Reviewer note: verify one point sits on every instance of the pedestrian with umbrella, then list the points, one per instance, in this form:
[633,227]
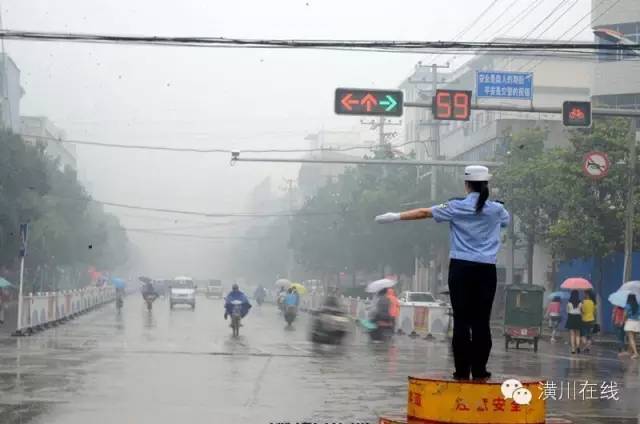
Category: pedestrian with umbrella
[574,320]
[619,301]
[632,323]
[589,325]
[574,309]
[474,223]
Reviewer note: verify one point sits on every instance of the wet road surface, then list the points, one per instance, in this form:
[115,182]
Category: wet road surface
[184,366]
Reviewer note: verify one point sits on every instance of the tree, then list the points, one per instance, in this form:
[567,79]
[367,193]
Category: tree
[591,223]
[68,232]
[335,230]
[528,183]
[556,203]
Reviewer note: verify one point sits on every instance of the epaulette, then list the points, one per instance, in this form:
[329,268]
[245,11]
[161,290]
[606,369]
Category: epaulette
[446,204]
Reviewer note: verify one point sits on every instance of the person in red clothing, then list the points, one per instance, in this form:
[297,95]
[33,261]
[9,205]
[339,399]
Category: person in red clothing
[394,305]
[555,316]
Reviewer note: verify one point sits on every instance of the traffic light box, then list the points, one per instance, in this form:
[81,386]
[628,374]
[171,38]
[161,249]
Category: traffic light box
[576,114]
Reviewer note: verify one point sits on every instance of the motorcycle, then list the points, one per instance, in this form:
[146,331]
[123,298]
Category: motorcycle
[236,316]
[149,299]
[290,314]
[380,330]
[329,327]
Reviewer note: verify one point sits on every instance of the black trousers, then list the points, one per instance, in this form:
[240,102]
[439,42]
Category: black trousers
[472,287]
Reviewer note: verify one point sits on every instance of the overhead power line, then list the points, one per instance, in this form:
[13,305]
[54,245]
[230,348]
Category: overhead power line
[291,43]
[524,14]
[197,236]
[204,214]
[466,29]
[545,19]
[215,150]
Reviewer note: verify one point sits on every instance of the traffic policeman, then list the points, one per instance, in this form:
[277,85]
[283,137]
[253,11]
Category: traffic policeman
[475,223]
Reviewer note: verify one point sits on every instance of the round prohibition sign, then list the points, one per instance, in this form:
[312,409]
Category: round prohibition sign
[596,165]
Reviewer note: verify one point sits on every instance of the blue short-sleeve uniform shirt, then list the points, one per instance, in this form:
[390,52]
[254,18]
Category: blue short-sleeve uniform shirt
[474,236]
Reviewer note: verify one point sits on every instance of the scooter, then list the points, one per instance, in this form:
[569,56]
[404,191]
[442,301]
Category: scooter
[379,330]
[329,326]
[290,314]
[236,316]
[149,299]
[383,332]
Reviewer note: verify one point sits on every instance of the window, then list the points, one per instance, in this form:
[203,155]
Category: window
[420,297]
[630,30]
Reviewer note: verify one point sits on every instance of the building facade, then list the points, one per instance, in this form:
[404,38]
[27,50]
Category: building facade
[12,92]
[616,77]
[40,130]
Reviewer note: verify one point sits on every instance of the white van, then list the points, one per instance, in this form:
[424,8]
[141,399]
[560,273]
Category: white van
[183,292]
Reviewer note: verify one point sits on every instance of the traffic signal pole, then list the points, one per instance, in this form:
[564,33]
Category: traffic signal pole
[604,112]
[630,211]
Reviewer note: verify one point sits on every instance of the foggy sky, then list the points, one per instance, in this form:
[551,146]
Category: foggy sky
[225,98]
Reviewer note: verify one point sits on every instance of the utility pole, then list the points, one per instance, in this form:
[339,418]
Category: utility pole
[4,99]
[634,129]
[380,125]
[435,131]
[290,259]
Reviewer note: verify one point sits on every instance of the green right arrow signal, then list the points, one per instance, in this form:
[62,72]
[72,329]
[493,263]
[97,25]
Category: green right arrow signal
[389,104]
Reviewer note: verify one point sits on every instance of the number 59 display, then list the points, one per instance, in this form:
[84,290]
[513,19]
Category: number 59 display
[452,105]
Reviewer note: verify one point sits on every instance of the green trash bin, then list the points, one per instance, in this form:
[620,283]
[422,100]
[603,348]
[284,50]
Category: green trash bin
[523,315]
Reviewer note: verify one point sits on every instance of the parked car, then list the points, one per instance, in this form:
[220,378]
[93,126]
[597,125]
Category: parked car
[408,298]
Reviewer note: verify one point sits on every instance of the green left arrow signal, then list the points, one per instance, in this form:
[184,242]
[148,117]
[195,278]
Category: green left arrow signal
[389,104]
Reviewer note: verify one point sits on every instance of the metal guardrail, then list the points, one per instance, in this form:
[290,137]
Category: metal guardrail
[42,310]
[412,320]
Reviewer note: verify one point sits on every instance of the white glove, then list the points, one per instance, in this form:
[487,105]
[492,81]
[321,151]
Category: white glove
[387,218]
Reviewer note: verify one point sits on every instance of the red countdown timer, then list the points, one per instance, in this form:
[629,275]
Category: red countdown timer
[452,105]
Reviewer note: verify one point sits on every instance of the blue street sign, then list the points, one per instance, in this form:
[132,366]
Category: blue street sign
[506,85]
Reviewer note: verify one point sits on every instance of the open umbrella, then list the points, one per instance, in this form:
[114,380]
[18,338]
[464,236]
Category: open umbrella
[283,282]
[378,285]
[299,288]
[145,279]
[4,283]
[633,286]
[561,294]
[118,282]
[620,297]
[576,284]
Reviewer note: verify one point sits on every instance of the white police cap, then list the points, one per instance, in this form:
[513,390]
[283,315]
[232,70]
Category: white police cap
[476,173]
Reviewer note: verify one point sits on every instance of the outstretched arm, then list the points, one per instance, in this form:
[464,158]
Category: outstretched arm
[413,214]
[409,215]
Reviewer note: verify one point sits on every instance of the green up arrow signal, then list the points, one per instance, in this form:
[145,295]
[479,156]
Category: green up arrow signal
[389,104]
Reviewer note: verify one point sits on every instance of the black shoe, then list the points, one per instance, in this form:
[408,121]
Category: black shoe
[460,377]
[482,376]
